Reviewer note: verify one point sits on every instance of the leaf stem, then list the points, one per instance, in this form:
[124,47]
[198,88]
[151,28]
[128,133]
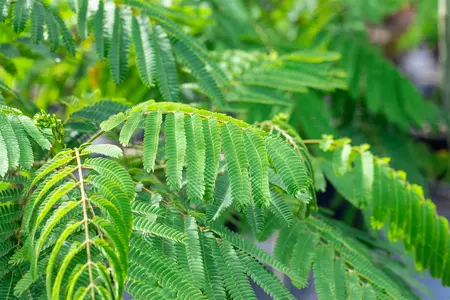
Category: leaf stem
[311,141]
[85,220]
[94,137]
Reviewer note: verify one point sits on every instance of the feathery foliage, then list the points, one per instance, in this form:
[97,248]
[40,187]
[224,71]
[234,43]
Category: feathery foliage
[16,134]
[387,91]
[115,29]
[246,158]
[113,195]
[392,201]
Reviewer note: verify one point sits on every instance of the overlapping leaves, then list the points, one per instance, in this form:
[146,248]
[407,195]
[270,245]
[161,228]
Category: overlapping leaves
[391,201]
[73,223]
[196,138]
[16,135]
[156,39]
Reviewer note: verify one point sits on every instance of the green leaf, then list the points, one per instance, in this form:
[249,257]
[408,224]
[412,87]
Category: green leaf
[146,226]
[302,256]
[274,79]
[194,252]
[264,278]
[255,218]
[214,288]
[113,121]
[120,44]
[2,8]
[165,270]
[232,271]
[381,193]
[8,64]
[34,132]
[130,127]
[289,166]
[166,71]
[195,158]
[363,178]
[340,279]
[222,198]
[279,207]
[143,43]
[104,149]
[82,18]
[52,199]
[175,148]
[324,272]
[341,158]
[10,195]
[176,32]
[48,227]
[237,164]
[103,30]
[213,147]
[259,168]
[52,28]
[67,38]
[284,247]
[37,22]
[3,157]
[354,290]
[12,144]
[198,69]
[54,286]
[251,249]
[22,10]
[369,293]
[151,139]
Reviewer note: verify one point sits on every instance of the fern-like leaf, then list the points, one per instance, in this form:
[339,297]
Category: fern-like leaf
[175,148]
[53,31]
[22,10]
[194,251]
[259,168]
[289,166]
[363,178]
[143,43]
[195,158]
[166,73]
[303,255]
[324,272]
[151,139]
[198,69]
[67,38]
[212,152]
[12,144]
[104,149]
[37,17]
[165,270]
[264,278]
[120,43]
[102,31]
[237,164]
[232,271]
[34,132]
[146,226]
[130,127]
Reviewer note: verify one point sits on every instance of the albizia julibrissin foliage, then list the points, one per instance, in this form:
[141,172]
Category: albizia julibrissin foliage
[83,227]
[144,214]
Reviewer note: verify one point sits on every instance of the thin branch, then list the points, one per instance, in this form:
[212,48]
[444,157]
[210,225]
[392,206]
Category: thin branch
[96,136]
[86,223]
[312,141]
